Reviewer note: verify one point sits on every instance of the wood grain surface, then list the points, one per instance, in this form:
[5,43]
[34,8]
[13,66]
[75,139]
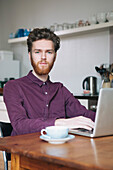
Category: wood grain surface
[79,153]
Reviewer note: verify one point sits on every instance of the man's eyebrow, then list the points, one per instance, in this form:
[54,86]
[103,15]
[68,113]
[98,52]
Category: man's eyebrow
[37,49]
[50,50]
[42,50]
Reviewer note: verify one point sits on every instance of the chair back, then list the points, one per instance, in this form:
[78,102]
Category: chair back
[5,129]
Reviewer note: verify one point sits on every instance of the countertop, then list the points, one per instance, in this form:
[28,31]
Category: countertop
[86,96]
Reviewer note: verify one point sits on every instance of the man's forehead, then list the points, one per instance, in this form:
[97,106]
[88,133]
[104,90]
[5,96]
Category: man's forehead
[40,44]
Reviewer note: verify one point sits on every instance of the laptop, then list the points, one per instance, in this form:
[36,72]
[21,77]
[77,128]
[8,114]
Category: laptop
[104,116]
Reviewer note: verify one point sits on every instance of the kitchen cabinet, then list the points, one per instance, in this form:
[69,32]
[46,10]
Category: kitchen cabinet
[89,101]
[3,111]
[74,31]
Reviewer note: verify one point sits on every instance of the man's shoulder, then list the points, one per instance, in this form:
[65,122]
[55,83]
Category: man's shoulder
[15,82]
[57,84]
[60,85]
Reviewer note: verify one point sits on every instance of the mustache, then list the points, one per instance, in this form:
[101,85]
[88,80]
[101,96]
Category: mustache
[43,61]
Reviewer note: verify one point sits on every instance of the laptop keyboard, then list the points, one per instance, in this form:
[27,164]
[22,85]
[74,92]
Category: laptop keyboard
[84,130]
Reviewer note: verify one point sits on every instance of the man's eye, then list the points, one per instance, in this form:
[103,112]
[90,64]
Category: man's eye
[49,52]
[37,52]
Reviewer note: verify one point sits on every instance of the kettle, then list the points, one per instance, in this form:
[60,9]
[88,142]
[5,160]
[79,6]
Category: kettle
[90,83]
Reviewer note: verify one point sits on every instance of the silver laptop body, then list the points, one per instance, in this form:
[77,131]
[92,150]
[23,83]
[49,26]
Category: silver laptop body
[104,116]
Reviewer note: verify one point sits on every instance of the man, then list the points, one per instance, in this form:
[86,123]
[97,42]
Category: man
[34,102]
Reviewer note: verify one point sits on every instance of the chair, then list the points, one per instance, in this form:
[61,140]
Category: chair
[5,130]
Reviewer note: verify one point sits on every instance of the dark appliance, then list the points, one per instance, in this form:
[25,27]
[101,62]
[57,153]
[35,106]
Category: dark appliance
[90,83]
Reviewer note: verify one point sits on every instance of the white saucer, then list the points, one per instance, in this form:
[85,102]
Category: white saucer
[57,141]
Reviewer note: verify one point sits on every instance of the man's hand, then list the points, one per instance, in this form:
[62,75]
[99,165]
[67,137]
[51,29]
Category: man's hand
[76,122]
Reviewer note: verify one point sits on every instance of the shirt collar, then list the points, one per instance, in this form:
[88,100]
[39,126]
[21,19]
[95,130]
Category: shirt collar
[33,78]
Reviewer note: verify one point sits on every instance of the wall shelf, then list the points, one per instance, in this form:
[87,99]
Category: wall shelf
[17,40]
[70,31]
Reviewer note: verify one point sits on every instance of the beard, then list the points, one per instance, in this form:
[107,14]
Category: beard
[42,70]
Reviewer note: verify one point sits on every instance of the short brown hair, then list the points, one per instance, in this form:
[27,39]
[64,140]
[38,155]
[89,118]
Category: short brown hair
[43,33]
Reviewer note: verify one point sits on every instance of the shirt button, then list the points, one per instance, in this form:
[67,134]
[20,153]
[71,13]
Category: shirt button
[46,92]
[44,83]
[46,105]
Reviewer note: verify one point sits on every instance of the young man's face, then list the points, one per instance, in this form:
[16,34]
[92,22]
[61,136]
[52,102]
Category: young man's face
[42,56]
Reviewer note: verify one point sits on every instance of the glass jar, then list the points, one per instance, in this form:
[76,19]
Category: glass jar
[59,27]
[65,26]
[52,28]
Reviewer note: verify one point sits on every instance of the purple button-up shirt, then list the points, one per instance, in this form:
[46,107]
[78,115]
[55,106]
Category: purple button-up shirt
[33,105]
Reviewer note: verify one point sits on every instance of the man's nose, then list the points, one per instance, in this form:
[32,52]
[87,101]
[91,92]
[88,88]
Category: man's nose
[43,56]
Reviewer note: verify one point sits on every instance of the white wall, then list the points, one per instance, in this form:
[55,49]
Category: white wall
[78,54]
[36,13]
[78,57]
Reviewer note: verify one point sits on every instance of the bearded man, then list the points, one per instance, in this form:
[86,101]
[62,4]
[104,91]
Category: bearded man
[34,102]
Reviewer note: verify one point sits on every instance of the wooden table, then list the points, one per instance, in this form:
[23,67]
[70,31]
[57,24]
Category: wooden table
[30,152]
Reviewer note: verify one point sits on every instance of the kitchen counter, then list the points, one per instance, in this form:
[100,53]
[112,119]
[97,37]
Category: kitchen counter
[86,96]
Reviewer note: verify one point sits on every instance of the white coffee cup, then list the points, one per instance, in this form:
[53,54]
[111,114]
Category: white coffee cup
[55,132]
